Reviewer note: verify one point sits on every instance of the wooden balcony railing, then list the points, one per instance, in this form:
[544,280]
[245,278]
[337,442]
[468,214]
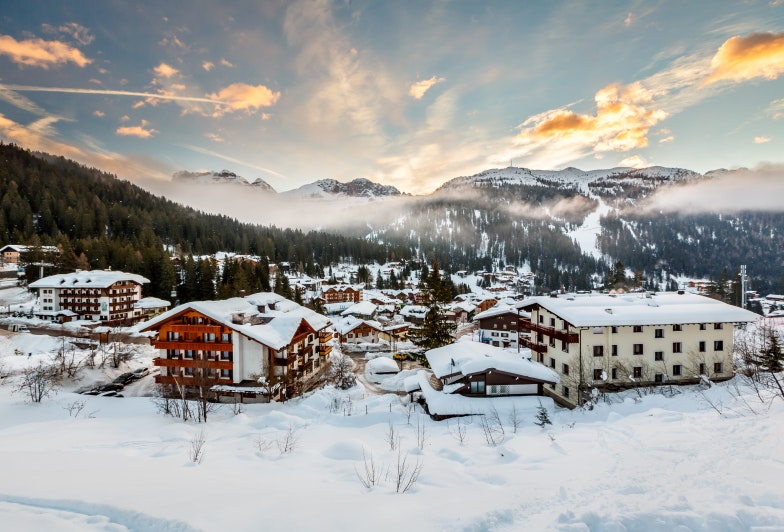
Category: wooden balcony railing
[193,363]
[533,346]
[185,345]
[552,332]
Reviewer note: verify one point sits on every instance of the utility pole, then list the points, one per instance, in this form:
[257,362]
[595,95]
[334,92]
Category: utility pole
[743,286]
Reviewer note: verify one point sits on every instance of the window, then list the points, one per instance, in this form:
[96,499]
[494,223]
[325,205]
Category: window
[701,347]
[615,350]
[189,353]
[477,386]
[552,362]
[598,350]
[598,330]
[598,374]
[637,328]
[718,367]
[565,369]
[614,330]
[209,337]
[614,373]
[658,378]
[225,355]
[565,391]
[638,349]
[718,326]
[172,336]
[677,347]
[702,368]
[225,374]
[718,345]
[552,386]
[552,341]
[564,346]
[677,328]
[541,318]
[552,322]
[637,372]
[658,333]
[189,372]
[702,327]
[658,355]
[677,370]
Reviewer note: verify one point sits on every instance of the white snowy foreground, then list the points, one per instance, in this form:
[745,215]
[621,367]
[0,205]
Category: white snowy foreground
[709,460]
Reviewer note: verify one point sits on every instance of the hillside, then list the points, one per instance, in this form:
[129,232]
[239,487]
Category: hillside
[100,221]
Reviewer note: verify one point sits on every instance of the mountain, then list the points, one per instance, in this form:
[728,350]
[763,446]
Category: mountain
[222,177]
[331,188]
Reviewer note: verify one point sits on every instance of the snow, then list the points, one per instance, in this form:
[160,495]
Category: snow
[587,310]
[88,279]
[694,459]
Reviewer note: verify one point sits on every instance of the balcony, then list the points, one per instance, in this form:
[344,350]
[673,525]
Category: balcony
[552,332]
[186,345]
[324,349]
[533,346]
[193,363]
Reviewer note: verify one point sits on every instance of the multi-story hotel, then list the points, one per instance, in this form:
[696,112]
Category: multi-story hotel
[615,341]
[259,346]
[98,295]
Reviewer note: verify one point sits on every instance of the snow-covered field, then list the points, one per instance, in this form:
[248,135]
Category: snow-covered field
[698,460]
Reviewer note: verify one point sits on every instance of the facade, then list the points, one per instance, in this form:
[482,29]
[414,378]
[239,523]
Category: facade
[480,370]
[342,294]
[353,330]
[106,296]
[615,341]
[261,345]
[501,327]
[11,253]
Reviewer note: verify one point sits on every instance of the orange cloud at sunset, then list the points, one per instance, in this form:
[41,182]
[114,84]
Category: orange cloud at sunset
[165,71]
[136,131]
[243,97]
[743,58]
[621,123]
[40,53]
[418,89]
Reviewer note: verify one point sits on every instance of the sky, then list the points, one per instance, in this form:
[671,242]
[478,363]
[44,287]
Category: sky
[408,93]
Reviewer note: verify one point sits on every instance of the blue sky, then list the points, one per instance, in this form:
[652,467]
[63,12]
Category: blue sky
[408,94]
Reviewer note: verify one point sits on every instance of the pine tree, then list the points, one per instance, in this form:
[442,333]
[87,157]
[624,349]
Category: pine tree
[542,417]
[435,331]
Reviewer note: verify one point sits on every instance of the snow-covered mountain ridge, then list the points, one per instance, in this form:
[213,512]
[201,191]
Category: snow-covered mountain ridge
[357,188]
[222,177]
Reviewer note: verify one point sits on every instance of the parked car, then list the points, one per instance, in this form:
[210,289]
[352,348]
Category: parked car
[112,387]
[140,372]
[124,378]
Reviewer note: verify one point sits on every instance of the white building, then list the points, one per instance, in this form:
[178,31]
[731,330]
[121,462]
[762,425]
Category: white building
[98,295]
[615,341]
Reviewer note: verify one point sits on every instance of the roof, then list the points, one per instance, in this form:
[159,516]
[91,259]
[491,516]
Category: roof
[22,248]
[88,279]
[602,310]
[349,323]
[151,302]
[364,308]
[500,310]
[475,357]
[285,318]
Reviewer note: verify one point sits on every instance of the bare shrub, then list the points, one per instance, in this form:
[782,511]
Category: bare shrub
[38,382]
[406,475]
[421,433]
[288,442]
[75,408]
[392,437]
[196,451]
[459,431]
[370,475]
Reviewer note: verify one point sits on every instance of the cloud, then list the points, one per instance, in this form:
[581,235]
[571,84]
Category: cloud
[208,65]
[76,31]
[226,63]
[165,71]
[666,139]
[98,113]
[140,131]
[41,53]
[759,189]
[418,89]
[624,116]
[243,97]
[214,137]
[743,58]
[776,108]
[761,140]
[629,19]
[635,161]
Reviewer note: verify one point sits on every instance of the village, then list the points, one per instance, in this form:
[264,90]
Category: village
[566,347]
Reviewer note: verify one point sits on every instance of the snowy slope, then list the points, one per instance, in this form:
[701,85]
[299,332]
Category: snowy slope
[331,188]
[222,177]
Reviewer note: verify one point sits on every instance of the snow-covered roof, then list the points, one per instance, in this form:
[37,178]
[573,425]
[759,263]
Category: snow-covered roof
[499,310]
[151,302]
[349,323]
[382,365]
[475,357]
[276,333]
[88,279]
[665,308]
[463,305]
[363,308]
[19,248]
[417,311]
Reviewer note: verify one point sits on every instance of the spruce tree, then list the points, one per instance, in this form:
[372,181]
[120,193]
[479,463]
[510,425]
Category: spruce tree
[435,331]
